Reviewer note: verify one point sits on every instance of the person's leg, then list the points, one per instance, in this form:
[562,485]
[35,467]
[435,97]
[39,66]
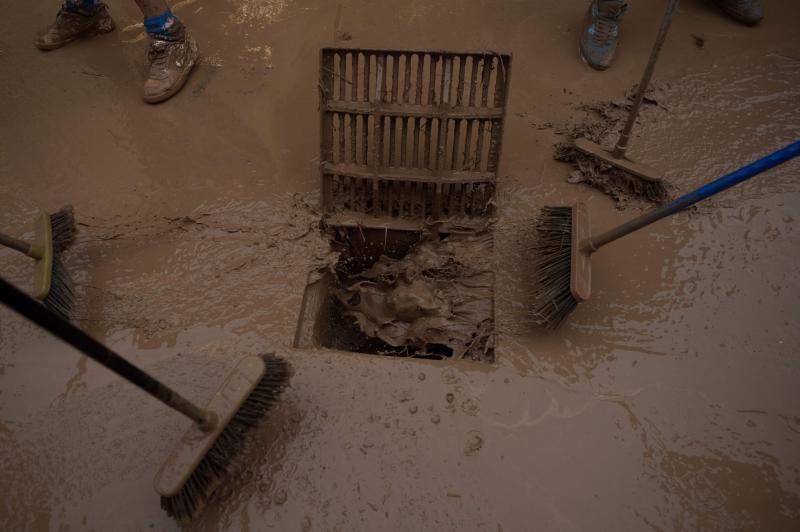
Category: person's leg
[152,8]
[77,18]
[159,20]
[749,12]
[600,34]
[173,51]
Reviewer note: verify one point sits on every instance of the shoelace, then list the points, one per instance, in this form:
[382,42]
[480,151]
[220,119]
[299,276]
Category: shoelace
[606,24]
[603,30]
[158,55]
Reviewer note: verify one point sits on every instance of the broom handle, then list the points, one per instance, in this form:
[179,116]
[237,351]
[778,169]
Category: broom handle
[41,316]
[622,143]
[15,243]
[734,178]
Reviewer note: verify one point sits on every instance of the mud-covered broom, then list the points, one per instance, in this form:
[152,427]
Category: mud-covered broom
[54,233]
[564,245]
[199,462]
[635,178]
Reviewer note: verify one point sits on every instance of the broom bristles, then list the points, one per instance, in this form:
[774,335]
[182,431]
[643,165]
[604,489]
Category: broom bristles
[62,225]
[61,297]
[212,469]
[553,300]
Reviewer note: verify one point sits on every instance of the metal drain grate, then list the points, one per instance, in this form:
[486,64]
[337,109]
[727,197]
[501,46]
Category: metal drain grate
[410,136]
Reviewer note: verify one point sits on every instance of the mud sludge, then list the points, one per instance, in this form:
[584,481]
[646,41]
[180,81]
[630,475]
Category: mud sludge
[404,293]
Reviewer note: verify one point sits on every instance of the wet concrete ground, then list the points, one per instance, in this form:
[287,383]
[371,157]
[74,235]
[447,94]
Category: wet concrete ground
[668,401]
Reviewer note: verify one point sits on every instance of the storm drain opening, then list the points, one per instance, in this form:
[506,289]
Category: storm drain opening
[410,144]
[403,293]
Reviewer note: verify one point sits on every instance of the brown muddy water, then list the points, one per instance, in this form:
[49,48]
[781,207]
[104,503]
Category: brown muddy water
[668,401]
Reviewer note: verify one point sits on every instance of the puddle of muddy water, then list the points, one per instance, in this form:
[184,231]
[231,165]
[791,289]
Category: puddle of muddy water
[668,402]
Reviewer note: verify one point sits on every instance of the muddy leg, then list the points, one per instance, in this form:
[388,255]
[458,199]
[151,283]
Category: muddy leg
[159,21]
[152,8]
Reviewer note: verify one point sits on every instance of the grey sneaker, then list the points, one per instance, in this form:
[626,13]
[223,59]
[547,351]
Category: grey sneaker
[170,65]
[601,32]
[69,26]
[748,12]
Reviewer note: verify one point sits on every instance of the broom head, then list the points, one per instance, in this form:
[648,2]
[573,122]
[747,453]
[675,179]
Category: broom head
[199,461]
[52,284]
[580,280]
[42,247]
[623,163]
[563,263]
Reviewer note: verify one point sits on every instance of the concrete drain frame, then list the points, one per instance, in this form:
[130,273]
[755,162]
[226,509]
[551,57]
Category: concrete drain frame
[409,150]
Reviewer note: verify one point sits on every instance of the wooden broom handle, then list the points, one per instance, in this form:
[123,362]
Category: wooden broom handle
[17,244]
[622,143]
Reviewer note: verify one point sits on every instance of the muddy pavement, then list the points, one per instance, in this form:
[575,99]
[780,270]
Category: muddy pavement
[668,401]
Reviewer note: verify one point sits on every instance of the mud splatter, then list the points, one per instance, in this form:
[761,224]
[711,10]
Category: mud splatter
[259,11]
[473,443]
[264,53]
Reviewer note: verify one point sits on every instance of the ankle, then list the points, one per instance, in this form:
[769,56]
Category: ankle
[81,7]
[165,27]
[611,9]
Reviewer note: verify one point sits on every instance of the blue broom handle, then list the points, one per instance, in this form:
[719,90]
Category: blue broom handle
[706,191]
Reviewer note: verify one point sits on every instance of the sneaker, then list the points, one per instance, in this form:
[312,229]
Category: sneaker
[170,65]
[70,25]
[748,12]
[600,32]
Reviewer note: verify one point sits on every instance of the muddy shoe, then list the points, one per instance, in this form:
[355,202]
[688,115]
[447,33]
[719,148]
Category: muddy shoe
[71,25]
[601,31]
[748,12]
[170,65]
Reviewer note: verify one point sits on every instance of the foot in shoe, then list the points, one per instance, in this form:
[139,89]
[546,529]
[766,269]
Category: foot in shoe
[72,23]
[600,34]
[170,65]
[748,12]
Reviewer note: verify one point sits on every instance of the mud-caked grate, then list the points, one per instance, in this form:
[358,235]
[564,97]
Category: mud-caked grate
[410,137]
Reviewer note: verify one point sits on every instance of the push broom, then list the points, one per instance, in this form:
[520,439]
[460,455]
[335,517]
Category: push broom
[199,461]
[53,234]
[638,178]
[565,245]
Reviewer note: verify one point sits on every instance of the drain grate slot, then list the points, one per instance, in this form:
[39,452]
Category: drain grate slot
[411,135]
[410,199]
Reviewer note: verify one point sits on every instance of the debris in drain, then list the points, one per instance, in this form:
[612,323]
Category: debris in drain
[436,301]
